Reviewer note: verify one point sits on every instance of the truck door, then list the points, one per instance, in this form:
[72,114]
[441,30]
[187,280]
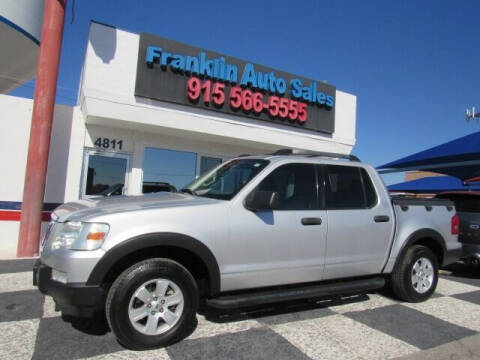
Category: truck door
[360,226]
[280,246]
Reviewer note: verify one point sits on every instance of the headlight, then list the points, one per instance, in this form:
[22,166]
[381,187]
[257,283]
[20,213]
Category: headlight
[75,235]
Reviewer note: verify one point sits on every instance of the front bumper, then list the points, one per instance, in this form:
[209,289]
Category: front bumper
[76,299]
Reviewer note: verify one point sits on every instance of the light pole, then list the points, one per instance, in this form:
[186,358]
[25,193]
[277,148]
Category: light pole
[42,117]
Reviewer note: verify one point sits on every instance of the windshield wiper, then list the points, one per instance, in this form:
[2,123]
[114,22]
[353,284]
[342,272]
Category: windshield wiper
[188,191]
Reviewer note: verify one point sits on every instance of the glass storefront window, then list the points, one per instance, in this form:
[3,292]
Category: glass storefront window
[173,167]
[105,174]
[207,163]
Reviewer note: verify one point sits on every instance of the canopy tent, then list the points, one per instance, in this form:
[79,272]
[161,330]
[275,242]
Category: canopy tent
[459,158]
[433,185]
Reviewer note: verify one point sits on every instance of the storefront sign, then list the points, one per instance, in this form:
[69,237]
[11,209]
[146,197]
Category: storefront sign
[182,74]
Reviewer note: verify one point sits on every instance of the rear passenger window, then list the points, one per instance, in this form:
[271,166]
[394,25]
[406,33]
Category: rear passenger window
[296,184]
[349,187]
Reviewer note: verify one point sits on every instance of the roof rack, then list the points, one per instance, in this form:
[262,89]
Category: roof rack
[315,153]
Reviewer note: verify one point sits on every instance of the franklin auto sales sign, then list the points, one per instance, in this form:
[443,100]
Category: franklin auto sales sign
[171,71]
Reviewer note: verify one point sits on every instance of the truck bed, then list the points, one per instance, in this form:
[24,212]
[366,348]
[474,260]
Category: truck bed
[413,216]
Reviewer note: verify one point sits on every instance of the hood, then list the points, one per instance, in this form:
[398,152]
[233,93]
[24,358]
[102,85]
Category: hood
[87,208]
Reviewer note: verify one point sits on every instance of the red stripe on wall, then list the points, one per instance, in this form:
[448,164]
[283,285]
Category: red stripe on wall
[12,215]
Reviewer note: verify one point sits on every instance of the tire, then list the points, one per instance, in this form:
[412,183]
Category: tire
[420,261]
[168,309]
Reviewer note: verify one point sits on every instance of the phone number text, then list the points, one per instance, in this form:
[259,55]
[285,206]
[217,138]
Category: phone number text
[245,99]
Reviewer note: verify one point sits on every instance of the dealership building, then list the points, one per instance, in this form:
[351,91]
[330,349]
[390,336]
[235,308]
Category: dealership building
[151,111]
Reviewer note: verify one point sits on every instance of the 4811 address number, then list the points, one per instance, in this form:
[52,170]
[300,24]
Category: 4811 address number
[246,99]
[107,143]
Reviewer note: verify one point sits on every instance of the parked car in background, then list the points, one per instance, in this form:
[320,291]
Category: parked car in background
[467,204]
[116,189]
[153,187]
[147,188]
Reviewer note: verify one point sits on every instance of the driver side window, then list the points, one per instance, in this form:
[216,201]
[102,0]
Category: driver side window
[296,185]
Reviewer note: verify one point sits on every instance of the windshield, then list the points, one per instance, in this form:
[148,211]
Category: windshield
[226,180]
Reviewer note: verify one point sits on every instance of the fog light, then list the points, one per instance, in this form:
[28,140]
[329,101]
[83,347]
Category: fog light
[59,276]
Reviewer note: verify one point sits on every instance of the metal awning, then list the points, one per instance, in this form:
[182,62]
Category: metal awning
[459,158]
[433,184]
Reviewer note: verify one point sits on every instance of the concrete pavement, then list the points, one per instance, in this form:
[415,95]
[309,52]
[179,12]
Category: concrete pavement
[361,326]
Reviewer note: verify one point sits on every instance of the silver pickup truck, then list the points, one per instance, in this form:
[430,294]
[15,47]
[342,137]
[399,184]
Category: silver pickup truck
[255,230]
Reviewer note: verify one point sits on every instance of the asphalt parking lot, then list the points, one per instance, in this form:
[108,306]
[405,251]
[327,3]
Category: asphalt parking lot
[361,326]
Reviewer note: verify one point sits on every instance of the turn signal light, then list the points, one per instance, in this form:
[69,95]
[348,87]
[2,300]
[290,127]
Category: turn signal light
[455,225]
[96,236]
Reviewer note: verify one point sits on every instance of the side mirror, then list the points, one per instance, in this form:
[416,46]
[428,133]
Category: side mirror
[262,200]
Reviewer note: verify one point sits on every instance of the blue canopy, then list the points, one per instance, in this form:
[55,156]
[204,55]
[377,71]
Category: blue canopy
[459,158]
[433,184]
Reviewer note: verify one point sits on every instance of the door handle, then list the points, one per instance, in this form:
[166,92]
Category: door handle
[311,221]
[381,218]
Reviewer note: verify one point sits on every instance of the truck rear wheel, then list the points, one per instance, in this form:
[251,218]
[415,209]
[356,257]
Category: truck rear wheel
[415,278]
[152,304]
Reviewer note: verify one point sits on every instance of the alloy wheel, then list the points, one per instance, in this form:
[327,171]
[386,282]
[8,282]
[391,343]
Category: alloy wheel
[156,306]
[422,275]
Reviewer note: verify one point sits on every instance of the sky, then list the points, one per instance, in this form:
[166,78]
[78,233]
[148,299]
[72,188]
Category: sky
[413,65]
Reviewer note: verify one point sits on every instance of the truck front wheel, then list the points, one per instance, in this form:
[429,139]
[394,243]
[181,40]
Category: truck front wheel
[415,278]
[151,304]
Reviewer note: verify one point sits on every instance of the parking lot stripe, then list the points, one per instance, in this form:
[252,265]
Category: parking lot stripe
[449,287]
[261,343]
[293,316]
[16,282]
[60,339]
[21,305]
[412,326]
[49,308]
[17,340]
[207,328]
[16,265]
[464,349]
[370,301]
[157,354]
[455,311]
[473,297]
[338,337]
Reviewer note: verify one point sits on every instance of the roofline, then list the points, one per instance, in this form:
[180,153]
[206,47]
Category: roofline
[309,153]
[102,23]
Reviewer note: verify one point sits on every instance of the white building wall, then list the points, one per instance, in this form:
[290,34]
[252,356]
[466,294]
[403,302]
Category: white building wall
[14,136]
[15,121]
[75,156]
